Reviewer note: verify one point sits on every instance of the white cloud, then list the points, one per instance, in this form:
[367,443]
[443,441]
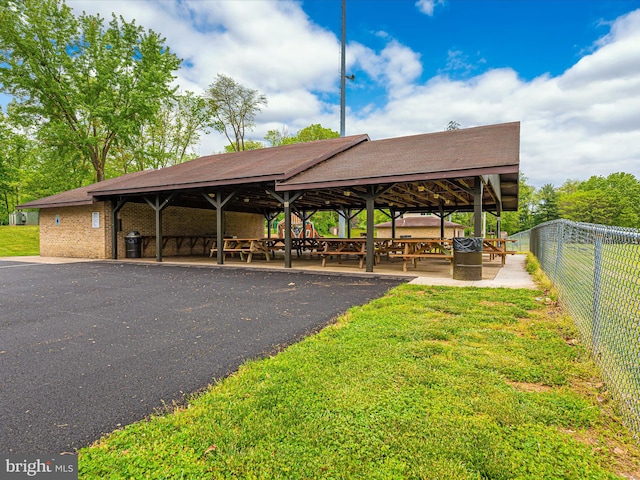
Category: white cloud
[581,123]
[396,67]
[428,6]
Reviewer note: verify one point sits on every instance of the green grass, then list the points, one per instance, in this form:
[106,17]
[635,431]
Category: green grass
[426,382]
[19,240]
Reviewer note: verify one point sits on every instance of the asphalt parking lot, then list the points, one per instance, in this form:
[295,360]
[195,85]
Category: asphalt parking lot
[86,348]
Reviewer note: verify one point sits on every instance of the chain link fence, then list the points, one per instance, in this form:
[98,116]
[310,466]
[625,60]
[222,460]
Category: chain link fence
[596,270]
[520,241]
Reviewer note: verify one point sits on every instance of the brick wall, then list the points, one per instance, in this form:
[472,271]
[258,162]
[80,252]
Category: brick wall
[69,231]
[420,232]
[183,221]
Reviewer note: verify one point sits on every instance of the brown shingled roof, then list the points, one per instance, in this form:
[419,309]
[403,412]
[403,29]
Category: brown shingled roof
[80,196]
[250,166]
[419,221]
[447,154]
[421,172]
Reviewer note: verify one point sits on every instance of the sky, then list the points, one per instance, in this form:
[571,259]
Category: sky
[568,70]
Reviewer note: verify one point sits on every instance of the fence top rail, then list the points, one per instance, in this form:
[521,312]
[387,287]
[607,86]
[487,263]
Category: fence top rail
[632,235]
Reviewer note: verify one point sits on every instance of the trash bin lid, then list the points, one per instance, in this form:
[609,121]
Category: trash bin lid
[133,234]
[467,244]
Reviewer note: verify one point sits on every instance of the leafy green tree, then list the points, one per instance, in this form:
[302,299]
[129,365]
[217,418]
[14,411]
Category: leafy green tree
[308,134]
[315,132]
[233,108]
[546,204]
[16,159]
[84,85]
[248,145]
[611,200]
[169,138]
[277,138]
[522,219]
[591,206]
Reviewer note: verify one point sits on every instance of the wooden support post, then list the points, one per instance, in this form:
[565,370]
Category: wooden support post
[158,206]
[370,244]
[477,207]
[219,203]
[287,230]
[116,206]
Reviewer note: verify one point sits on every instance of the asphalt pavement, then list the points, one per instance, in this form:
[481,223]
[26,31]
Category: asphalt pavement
[86,348]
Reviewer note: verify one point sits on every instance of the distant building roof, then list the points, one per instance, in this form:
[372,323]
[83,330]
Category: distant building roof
[419,221]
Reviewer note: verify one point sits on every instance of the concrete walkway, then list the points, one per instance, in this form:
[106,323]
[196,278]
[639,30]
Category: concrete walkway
[512,275]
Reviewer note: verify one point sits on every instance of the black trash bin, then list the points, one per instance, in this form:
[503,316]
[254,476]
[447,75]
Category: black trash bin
[133,241]
[467,258]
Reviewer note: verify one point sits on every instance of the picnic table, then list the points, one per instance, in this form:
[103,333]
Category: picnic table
[297,244]
[243,246]
[497,247]
[338,247]
[413,249]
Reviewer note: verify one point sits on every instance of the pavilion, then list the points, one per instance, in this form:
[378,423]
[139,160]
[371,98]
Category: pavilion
[474,170]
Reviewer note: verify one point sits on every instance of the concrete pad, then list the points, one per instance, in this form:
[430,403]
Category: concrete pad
[432,272]
[47,260]
[512,275]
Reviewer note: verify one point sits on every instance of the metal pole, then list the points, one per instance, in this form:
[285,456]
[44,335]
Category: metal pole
[343,68]
[343,94]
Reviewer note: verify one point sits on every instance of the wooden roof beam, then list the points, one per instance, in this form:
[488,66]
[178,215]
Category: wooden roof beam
[447,188]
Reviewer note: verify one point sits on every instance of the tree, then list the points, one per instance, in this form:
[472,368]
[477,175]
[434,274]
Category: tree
[234,108]
[16,161]
[522,219]
[168,138]
[86,87]
[453,125]
[315,132]
[308,134]
[546,204]
[591,206]
[612,200]
[278,137]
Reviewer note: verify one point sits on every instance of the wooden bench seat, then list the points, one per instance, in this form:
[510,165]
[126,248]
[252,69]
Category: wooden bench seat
[339,253]
[413,257]
[421,255]
[503,254]
[248,247]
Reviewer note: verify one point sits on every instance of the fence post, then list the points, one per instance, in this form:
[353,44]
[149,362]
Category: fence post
[560,234]
[597,290]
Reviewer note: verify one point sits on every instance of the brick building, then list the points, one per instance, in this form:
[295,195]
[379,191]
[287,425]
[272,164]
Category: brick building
[419,226]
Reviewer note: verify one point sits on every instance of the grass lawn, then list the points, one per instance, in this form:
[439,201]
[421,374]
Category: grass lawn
[426,382]
[19,240]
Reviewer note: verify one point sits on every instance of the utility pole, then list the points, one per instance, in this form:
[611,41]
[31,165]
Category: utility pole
[343,67]
[343,84]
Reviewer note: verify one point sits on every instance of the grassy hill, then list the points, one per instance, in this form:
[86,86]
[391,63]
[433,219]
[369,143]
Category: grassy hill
[19,240]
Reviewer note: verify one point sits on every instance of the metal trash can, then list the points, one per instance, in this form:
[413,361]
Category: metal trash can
[133,240]
[467,258]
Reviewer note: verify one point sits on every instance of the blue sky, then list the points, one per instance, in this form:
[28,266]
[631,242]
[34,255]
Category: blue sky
[568,70]
[464,38]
